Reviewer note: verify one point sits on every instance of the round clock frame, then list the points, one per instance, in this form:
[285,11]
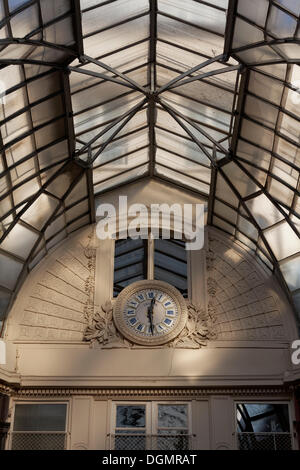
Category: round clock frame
[129,332]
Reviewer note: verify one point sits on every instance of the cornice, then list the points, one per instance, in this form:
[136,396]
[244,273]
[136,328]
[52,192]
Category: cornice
[193,393]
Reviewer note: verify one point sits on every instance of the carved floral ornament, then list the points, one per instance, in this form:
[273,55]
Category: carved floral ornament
[199,328]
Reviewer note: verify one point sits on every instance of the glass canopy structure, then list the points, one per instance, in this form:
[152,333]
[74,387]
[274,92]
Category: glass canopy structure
[96,94]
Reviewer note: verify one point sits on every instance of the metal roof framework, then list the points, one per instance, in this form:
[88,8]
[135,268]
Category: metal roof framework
[96,94]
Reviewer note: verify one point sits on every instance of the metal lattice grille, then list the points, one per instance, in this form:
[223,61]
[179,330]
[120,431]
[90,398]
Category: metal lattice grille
[38,441]
[150,442]
[264,441]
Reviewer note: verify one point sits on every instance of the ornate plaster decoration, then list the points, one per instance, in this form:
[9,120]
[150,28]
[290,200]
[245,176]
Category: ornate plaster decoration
[90,254]
[198,330]
[147,392]
[102,331]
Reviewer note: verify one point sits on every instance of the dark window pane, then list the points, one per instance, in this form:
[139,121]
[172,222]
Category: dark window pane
[130,263]
[170,263]
[263,418]
[131,416]
[40,417]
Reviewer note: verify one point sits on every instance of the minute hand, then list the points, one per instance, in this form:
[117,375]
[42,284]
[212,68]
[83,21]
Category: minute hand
[150,315]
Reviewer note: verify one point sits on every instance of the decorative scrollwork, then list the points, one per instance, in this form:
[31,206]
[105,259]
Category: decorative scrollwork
[102,329]
[199,328]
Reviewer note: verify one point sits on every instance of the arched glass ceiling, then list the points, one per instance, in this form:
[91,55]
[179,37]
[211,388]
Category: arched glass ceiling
[95,94]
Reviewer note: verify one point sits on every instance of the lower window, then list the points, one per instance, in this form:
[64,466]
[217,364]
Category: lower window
[151,426]
[39,426]
[263,426]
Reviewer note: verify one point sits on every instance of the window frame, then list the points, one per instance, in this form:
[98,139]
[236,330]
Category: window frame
[264,401]
[150,254]
[151,415]
[56,401]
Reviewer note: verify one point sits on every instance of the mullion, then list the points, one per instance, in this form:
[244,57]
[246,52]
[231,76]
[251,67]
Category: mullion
[98,5]
[36,160]
[128,251]
[183,48]
[129,265]
[183,157]
[101,81]
[115,25]
[267,194]
[116,51]
[198,101]
[32,131]
[193,138]
[201,77]
[279,108]
[126,279]
[114,71]
[169,255]
[273,42]
[133,112]
[107,127]
[273,154]
[99,126]
[119,137]
[120,157]
[194,122]
[182,136]
[278,119]
[188,73]
[169,270]
[27,80]
[213,84]
[121,173]
[275,131]
[178,184]
[184,174]
[29,258]
[33,198]
[200,123]
[36,42]
[7,171]
[269,174]
[30,104]
[284,9]
[188,23]
[236,227]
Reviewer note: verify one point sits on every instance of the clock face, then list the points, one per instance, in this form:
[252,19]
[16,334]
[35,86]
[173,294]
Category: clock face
[150,312]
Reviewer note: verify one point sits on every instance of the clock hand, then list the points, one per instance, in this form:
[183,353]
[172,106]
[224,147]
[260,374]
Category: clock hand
[150,314]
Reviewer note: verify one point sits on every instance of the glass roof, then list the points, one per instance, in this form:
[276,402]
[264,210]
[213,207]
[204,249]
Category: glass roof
[95,94]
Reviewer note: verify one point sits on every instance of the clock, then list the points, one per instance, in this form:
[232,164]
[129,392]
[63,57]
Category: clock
[150,312]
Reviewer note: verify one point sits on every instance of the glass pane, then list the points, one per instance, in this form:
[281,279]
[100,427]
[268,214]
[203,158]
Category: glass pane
[260,417]
[20,241]
[291,272]
[40,417]
[256,10]
[131,416]
[283,240]
[129,263]
[264,211]
[9,271]
[172,416]
[281,24]
[170,263]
